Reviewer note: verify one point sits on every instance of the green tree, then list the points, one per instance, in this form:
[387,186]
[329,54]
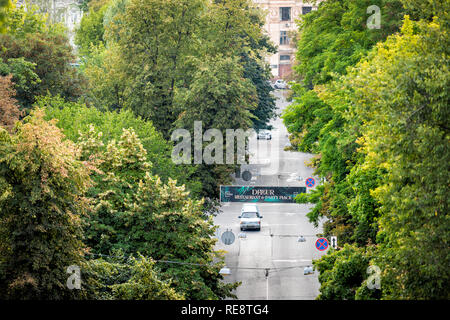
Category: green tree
[393,110]
[333,39]
[222,99]
[144,284]
[406,133]
[45,46]
[24,78]
[4,6]
[154,65]
[259,73]
[342,272]
[136,212]
[128,278]
[336,36]
[77,119]
[107,81]
[231,27]
[155,40]
[42,200]
[90,32]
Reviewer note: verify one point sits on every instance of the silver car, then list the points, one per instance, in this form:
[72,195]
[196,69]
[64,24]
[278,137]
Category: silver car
[250,217]
[280,84]
[264,134]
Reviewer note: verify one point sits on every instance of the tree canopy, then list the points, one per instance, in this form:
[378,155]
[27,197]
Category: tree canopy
[379,129]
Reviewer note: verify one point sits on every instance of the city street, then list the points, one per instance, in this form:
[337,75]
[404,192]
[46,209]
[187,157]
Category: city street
[275,247]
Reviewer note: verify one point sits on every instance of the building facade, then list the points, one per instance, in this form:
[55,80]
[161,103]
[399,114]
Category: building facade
[280,26]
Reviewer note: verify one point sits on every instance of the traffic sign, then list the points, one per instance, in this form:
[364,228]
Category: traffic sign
[310,182]
[322,244]
[333,240]
[228,237]
[246,175]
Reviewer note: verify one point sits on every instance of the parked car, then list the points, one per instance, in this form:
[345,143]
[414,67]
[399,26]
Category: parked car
[280,84]
[264,134]
[250,217]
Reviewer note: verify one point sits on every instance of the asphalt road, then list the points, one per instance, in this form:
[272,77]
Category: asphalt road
[275,247]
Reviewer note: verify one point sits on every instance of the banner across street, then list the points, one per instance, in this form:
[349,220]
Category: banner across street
[264,194]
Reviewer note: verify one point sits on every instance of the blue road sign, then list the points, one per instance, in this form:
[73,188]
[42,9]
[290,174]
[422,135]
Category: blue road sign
[322,244]
[310,182]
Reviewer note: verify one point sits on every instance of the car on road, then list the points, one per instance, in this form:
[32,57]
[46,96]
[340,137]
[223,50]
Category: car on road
[250,217]
[264,134]
[308,270]
[280,84]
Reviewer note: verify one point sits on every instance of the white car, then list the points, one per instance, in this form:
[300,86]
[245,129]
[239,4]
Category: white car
[264,134]
[280,84]
[308,270]
[250,217]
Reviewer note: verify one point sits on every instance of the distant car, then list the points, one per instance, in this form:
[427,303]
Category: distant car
[264,134]
[250,217]
[308,270]
[280,84]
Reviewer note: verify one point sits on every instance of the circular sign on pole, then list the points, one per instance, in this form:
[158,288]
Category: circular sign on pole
[322,244]
[228,237]
[246,175]
[310,182]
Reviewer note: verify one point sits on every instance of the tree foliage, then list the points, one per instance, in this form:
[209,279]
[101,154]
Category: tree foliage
[42,181]
[135,212]
[407,134]
[380,132]
[76,119]
[4,6]
[39,56]
[9,111]
[336,36]
[91,30]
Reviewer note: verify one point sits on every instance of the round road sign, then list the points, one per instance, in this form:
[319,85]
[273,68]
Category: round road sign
[322,244]
[310,182]
[228,237]
[246,175]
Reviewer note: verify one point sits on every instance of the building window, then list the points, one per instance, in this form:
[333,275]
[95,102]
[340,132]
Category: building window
[306,10]
[284,40]
[285,14]
[285,57]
